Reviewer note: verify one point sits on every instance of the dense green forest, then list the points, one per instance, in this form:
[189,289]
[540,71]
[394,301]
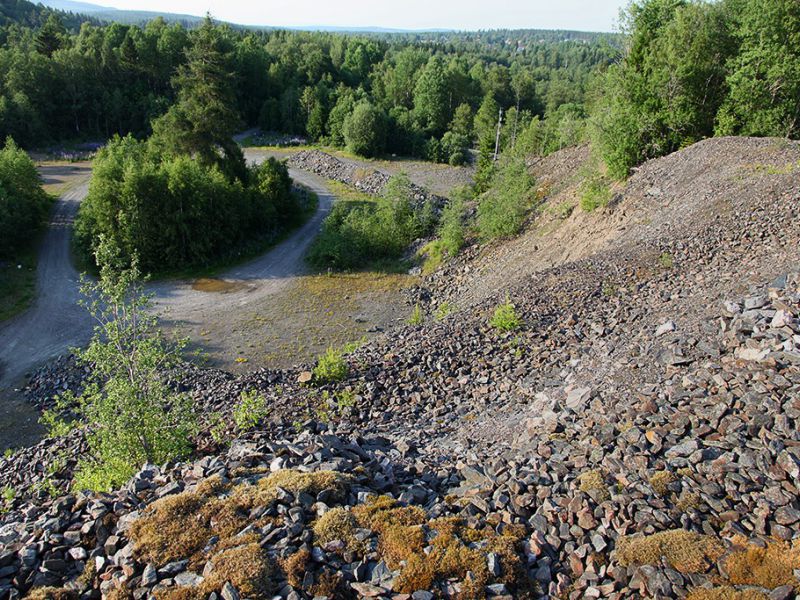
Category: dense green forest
[185,196]
[692,70]
[58,83]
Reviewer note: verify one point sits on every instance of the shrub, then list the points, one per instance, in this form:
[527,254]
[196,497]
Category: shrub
[331,367]
[501,212]
[594,192]
[250,410]
[505,317]
[23,202]
[132,416]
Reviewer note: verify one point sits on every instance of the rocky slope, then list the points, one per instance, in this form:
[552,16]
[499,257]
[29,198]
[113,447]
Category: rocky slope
[636,437]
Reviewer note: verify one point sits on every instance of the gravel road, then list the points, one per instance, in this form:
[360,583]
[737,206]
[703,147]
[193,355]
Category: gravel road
[55,322]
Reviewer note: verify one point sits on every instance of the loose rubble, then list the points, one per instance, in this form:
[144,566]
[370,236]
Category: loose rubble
[637,437]
[370,181]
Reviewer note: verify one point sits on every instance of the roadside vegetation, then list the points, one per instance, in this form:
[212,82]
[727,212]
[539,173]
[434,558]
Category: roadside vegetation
[24,207]
[372,234]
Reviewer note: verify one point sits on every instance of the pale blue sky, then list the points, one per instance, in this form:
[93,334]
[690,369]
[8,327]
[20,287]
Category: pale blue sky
[587,15]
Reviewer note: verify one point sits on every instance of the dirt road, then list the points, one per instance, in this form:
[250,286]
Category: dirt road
[56,322]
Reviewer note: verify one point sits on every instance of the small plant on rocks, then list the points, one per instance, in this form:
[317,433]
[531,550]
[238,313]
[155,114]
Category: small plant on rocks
[444,309]
[331,367]
[250,410]
[505,317]
[417,316]
[666,260]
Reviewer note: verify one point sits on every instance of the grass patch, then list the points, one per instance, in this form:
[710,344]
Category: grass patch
[685,551]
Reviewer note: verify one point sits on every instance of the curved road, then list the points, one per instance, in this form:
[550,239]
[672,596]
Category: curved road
[55,322]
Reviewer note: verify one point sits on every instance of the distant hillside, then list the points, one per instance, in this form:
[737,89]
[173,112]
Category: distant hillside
[33,15]
[105,13]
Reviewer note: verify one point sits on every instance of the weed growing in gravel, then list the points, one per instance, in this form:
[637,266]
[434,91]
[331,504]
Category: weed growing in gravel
[417,316]
[250,410]
[444,309]
[8,495]
[331,367]
[666,260]
[505,317]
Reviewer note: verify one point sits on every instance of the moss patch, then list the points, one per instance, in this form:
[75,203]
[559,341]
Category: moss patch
[428,552]
[660,482]
[181,526]
[769,567]
[593,483]
[51,593]
[684,551]
[725,593]
[337,524]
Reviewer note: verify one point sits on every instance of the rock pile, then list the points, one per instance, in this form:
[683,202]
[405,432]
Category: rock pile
[369,181]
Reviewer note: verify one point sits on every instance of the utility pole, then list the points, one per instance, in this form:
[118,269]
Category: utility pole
[497,138]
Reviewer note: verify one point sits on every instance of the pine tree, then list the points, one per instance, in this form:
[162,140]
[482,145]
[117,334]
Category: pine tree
[204,119]
[51,36]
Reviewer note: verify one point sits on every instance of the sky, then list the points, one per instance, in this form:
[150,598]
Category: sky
[583,15]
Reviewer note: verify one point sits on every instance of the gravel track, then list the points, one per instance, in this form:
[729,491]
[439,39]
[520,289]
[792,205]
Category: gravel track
[55,322]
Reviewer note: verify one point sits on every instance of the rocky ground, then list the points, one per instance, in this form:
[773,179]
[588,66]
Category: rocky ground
[364,178]
[635,437]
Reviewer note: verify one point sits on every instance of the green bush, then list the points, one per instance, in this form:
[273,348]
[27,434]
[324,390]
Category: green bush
[595,192]
[502,210]
[451,226]
[505,317]
[358,234]
[331,367]
[250,410]
[173,213]
[23,203]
